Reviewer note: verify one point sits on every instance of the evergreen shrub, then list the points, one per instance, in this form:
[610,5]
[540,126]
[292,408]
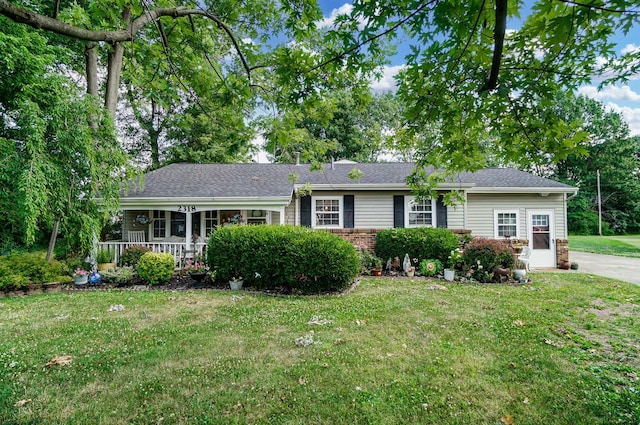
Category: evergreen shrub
[156,267]
[418,242]
[289,257]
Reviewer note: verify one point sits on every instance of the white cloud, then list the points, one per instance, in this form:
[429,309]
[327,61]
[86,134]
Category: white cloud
[631,116]
[620,93]
[630,48]
[345,9]
[387,82]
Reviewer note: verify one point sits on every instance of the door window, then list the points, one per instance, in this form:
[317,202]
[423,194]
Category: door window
[540,231]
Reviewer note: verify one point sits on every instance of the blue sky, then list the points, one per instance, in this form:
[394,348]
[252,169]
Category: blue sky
[624,99]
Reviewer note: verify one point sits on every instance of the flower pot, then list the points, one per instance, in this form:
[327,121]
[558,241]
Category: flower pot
[376,272]
[519,274]
[565,265]
[236,285]
[80,280]
[106,266]
[198,276]
[411,273]
[449,274]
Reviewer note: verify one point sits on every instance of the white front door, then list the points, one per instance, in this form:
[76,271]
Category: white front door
[542,238]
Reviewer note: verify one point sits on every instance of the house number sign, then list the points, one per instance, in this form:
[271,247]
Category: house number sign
[186,208]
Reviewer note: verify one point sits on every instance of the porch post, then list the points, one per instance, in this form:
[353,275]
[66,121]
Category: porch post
[187,232]
[281,215]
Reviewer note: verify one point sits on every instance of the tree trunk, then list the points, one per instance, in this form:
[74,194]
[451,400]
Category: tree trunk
[114,69]
[52,239]
[91,68]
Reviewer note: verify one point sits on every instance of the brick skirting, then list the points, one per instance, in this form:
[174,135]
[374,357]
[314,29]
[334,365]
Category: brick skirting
[366,239]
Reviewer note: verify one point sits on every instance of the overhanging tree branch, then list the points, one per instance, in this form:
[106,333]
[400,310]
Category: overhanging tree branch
[498,34]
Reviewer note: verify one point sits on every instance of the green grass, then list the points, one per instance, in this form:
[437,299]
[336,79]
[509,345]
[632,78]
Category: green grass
[626,246]
[565,350]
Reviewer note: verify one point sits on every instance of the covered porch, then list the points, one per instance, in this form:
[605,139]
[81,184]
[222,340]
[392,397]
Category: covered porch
[181,227]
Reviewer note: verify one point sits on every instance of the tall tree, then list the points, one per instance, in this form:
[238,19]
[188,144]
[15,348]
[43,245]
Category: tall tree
[59,154]
[469,79]
[609,150]
[343,124]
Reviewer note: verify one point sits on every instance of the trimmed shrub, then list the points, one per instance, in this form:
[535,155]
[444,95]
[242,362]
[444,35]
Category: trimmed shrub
[419,242]
[155,267]
[309,261]
[482,255]
[131,255]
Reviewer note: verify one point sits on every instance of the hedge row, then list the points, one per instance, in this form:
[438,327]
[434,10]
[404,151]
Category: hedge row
[309,261]
[419,242]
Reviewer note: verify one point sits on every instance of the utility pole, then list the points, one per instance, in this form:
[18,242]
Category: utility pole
[599,205]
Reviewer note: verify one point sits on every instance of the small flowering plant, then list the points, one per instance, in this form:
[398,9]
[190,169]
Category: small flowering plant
[80,273]
[455,260]
[195,266]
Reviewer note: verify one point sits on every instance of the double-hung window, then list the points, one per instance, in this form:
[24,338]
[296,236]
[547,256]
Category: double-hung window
[506,224]
[327,211]
[420,213]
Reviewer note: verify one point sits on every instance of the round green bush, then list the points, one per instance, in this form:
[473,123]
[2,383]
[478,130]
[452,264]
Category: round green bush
[155,268]
[289,257]
[419,242]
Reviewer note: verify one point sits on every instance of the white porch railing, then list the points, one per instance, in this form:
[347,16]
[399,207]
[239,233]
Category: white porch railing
[177,249]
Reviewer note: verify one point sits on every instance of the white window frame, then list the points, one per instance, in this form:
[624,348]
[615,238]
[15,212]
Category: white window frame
[408,200]
[166,219]
[205,221]
[314,199]
[496,225]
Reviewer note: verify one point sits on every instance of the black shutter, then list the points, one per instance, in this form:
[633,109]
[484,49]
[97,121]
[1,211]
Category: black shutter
[398,210]
[441,212]
[348,204]
[305,211]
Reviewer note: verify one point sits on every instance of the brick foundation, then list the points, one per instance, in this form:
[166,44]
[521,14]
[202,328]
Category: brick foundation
[361,238]
[562,251]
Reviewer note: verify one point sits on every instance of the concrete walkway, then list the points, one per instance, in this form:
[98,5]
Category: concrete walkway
[621,268]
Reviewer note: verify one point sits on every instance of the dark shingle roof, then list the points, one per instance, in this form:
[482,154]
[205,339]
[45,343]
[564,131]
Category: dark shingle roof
[272,180]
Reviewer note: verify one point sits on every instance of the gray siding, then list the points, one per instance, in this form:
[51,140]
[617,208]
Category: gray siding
[455,216]
[481,207]
[374,209]
[128,223]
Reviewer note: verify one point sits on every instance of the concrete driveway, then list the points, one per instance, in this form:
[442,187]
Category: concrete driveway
[621,268]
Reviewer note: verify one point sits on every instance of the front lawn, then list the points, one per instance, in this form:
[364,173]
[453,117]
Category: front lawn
[626,246]
[564,350]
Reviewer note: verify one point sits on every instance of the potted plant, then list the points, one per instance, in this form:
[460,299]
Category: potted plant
[454,262]
[377,266]
[411,270]
[519,269]
[105,259]
[574,265]
[80,276]
[236,283]
[196,269]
